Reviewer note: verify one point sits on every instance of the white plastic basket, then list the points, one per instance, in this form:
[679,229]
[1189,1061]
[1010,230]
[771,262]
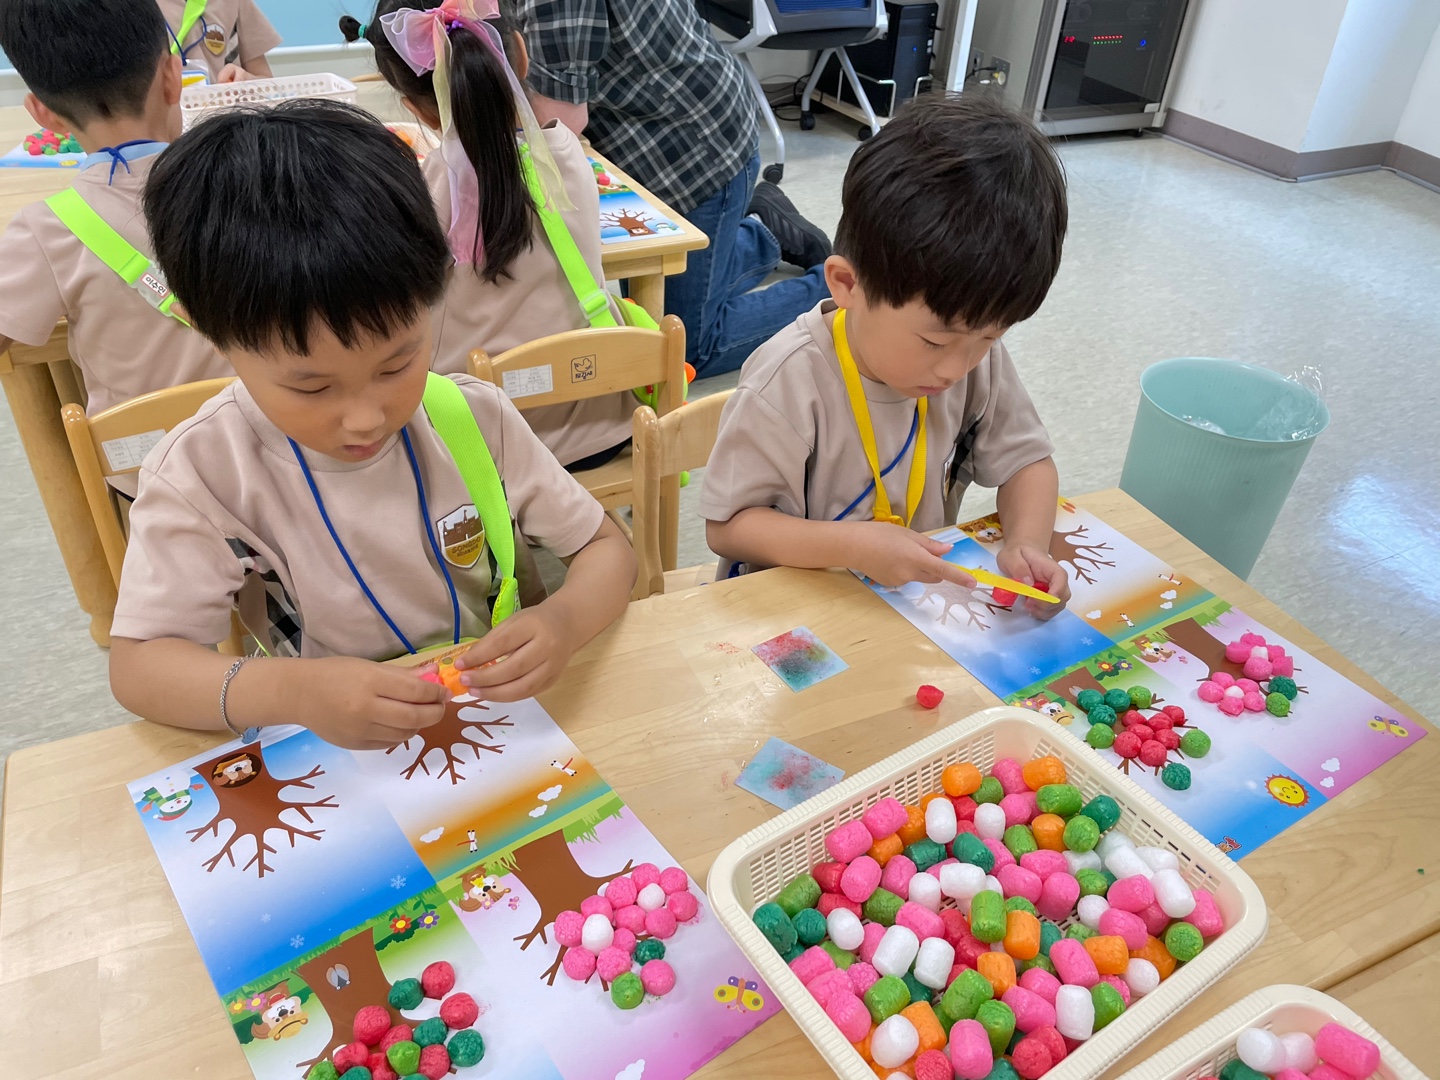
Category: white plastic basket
[753,869]
[1281,1009]
[197,102]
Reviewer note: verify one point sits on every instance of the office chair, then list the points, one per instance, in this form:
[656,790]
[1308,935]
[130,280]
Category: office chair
[824,25]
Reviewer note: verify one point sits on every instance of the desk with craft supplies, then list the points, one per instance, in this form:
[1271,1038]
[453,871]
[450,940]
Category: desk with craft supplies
[668,704]
[39,380]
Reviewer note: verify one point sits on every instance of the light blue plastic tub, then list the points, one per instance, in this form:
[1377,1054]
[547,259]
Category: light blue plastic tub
[1221,491]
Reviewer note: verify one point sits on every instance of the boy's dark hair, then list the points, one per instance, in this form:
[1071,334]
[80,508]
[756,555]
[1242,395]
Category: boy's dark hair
[958,202]
[85,59]
[264,220]
[485,115]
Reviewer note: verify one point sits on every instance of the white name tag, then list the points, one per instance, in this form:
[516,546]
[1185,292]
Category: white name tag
[527,382]
[129,452]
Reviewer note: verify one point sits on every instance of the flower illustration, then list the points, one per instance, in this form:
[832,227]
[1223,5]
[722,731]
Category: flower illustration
[399,924]
[256,1002]
[429,919]
[1232,696]
[237,1006]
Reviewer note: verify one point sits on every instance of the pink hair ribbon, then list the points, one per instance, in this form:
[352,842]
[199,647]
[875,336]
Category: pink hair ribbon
[422,38]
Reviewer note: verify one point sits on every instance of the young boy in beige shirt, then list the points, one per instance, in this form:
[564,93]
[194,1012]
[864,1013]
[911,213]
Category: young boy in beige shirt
[315,490]
[952,224]
[225,41]
[101,70]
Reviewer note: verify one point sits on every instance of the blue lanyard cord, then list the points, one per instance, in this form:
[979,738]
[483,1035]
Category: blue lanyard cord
[430,533]
[184,50]
[910,438]
[344,554]
[117,156]
[914,427]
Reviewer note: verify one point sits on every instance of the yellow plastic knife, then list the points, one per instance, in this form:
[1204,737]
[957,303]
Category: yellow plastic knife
[985,577]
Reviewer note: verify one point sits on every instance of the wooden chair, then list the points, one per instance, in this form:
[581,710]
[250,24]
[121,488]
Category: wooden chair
[666,445]
[589,363]
[99,454]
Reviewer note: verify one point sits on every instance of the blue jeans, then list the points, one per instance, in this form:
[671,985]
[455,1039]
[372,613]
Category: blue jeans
[725,321]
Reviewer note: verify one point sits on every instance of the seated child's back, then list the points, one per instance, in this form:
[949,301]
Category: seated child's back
[101,69]
[508,286]
[316,489]
[951,231]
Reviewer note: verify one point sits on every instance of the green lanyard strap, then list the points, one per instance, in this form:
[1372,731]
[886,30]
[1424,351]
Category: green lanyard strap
[132,266]
[450,414]
[193,10]
[593,299]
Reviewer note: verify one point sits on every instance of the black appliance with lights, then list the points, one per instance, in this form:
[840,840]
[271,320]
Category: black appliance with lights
[1081,65]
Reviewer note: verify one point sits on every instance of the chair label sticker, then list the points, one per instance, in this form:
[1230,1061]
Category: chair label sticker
[527,382]
[129,452]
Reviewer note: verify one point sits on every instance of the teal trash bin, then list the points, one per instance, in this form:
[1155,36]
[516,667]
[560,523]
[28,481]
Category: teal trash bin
[1216,446]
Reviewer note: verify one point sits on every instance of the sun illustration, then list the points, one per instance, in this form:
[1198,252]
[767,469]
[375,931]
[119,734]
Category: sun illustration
[1284,789]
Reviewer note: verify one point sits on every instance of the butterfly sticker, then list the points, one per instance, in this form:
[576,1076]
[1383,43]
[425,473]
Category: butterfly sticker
[738,993]
[1388,727]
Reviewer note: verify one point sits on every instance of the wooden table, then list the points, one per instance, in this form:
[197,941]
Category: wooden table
[38,380]
[100,972]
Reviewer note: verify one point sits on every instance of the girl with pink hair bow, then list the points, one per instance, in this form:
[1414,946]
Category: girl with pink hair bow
[458,68]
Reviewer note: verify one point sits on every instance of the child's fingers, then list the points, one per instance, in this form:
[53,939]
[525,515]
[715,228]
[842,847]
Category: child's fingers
[401,684]
[505,638]
[527,685]
[935,547]
[951,572]
[402,716]
[513,666]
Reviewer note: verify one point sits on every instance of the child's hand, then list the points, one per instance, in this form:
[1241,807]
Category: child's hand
[359,704]
[1033,566]
[892,555]
[526,654]
[233,73]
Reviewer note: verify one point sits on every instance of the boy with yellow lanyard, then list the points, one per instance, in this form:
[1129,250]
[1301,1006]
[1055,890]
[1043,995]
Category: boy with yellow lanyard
[857,429]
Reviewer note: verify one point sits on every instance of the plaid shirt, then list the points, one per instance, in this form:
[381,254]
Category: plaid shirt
[667,104]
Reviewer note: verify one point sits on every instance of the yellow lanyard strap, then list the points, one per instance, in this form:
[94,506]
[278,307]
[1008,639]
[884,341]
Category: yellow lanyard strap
[915,486]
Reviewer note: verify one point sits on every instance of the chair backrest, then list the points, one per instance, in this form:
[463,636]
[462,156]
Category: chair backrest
[114,442]
[590,362]
[663,446]
[808,16]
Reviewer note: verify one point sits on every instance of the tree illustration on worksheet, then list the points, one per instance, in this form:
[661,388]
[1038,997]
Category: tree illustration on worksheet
[249,798]
[953,596]
[547,869]
[636,223]
[1074,549]
[346,978]
[464,725]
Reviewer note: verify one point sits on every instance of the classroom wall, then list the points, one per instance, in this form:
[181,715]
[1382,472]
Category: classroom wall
[1257,67]
[1368,84]
[1419,125]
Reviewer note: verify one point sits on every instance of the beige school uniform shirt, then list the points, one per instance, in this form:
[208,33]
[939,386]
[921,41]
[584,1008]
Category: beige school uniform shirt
[229,32]
[224,511]
[122,345]
[788,438]
[533,302]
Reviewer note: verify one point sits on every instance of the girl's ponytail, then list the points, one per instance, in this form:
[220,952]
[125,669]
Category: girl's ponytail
[484,110]
[485,116]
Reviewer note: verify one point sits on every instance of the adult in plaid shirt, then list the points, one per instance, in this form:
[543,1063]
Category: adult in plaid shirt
[658,96]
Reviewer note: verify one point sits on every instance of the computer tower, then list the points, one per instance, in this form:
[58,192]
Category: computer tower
[892,68]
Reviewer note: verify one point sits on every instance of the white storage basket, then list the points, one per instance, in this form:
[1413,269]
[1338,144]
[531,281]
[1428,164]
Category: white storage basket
[1281,1009]
[197,102]
[753,869]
